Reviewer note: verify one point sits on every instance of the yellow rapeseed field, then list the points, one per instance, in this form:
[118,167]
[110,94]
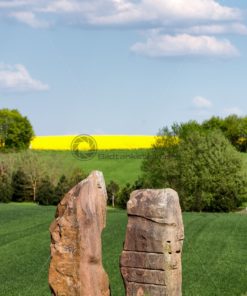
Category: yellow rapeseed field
[103,142]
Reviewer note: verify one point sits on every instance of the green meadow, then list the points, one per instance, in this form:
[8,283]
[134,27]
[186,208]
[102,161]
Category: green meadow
[214,253]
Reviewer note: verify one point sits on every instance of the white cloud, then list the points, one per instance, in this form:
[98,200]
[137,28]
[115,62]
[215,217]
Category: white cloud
[62,6]
[191,9]
[202,103]
[232,110]
[30,19]
[185,18]
[162,11]
[232,28]
[184,45]
[111,12]
[17,78]
[13,3]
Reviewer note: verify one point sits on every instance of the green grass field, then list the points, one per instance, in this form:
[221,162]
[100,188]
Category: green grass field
[214,254]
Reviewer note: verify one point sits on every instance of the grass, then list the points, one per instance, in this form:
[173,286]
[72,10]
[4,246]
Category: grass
[109,162]
[122,166]
[214,253]
[244,204]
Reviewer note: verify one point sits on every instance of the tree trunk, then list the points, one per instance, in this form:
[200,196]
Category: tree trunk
[113,201]
[34,190]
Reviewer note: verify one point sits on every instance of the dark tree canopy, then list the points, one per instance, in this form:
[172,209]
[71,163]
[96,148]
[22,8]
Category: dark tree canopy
[45,192]
[16,131]
[233,127]
[21,186]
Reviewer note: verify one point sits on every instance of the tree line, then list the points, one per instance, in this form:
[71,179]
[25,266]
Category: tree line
[27,180]
[201,161]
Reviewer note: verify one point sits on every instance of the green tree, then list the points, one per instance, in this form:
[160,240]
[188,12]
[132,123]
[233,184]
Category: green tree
[233,127]
[21,186]
[203,167]
[76,176]
[16,131]
[124,194]
[33,166]
[183,129]
[5,184]
[61,189]
[112,190]
[45,192]
[214,122]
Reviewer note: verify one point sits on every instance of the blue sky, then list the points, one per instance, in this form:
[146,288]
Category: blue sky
[122,67]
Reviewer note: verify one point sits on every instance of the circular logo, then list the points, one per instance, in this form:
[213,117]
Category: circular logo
[84,147]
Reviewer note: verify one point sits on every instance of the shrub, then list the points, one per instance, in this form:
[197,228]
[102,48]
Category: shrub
[204,168]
